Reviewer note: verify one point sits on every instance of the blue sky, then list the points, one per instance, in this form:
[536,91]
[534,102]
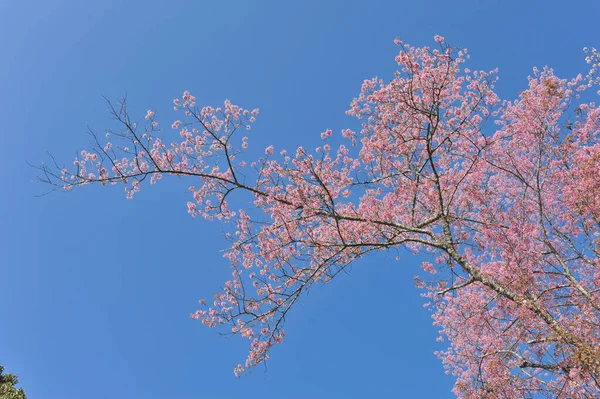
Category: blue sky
[96,290]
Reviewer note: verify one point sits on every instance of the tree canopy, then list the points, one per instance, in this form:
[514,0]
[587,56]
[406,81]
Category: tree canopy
[8,389]
[501,195]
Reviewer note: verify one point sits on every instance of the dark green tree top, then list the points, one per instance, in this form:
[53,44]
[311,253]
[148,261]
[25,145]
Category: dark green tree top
[7,386]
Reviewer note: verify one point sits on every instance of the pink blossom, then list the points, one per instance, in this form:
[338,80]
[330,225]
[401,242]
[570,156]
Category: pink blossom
[500,195]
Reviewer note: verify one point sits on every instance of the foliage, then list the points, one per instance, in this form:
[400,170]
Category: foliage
[502,195]
[7,386]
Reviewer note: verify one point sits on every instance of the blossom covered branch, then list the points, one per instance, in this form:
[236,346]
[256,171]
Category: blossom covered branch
[504,194]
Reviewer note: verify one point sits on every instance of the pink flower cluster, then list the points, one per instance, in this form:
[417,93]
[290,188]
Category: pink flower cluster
[504,195]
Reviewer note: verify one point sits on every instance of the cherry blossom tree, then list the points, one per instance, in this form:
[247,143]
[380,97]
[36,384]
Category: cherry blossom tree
[502,196]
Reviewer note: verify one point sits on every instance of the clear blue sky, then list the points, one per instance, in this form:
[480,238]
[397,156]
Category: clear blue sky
[95,291]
